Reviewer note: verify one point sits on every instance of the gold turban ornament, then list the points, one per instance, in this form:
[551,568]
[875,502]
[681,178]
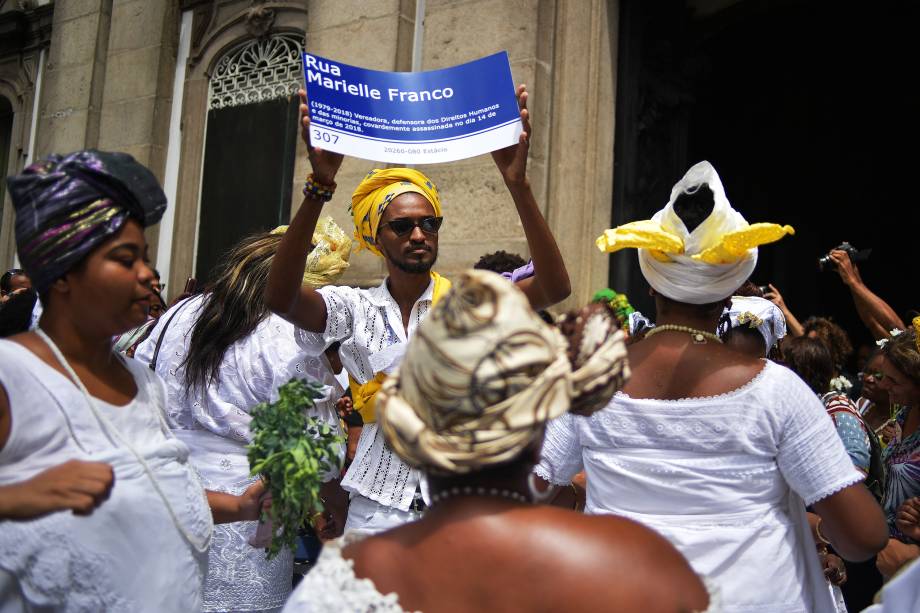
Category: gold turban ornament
[378,189]
[329,257]
[482,376]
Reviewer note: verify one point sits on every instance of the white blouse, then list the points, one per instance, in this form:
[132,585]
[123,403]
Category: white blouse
[130,554]
[724,478]
[369,325]
[215,425]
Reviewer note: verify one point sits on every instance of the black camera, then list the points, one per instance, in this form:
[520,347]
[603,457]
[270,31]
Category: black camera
[856,256]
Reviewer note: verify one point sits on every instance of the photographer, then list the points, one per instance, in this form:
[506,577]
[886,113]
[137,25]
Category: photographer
[878,316]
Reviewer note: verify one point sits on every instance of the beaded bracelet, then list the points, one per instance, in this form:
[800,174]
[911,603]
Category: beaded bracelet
[318,191]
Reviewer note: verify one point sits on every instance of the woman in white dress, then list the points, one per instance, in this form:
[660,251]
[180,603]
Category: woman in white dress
[221,354]
[100,509]
[716,450]
[468,405]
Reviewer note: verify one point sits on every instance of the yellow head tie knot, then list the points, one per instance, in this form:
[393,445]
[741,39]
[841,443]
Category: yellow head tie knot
[916,324]
[645,234]
[329,257]
[378,189]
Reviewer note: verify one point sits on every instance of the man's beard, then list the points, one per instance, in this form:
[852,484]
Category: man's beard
[412,268]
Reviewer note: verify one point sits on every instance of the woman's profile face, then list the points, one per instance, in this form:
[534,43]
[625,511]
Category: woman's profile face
[110,291]
[901,389]
[872,381]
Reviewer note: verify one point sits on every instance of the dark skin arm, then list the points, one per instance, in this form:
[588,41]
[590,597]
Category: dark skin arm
[550,283]
[853,522]
[285,293]
[227,508]
[874,312]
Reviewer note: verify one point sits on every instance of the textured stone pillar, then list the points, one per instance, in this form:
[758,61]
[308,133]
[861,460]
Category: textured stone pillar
[74,77]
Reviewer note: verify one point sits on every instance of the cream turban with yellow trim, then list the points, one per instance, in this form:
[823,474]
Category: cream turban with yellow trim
[378,189]
[329,257]
[482,375]
[699,267]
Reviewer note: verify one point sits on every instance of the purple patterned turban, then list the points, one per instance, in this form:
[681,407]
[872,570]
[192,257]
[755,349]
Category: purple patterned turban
[67,205]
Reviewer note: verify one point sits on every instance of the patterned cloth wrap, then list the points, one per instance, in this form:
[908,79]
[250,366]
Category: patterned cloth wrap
[484,373]
[758,314]
[67,205]
[702,266]
[375,193]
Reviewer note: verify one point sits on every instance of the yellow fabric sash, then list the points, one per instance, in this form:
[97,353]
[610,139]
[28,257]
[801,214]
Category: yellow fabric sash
[364,396]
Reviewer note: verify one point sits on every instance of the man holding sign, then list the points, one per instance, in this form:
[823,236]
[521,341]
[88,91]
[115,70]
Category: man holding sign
[397,216]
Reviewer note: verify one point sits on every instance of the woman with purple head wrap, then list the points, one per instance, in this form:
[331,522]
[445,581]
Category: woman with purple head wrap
[110,515]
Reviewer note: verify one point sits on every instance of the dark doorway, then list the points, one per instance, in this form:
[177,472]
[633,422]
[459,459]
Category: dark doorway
[247,177]
[809,111]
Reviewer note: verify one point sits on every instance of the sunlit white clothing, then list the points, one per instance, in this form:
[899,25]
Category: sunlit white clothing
[215,425]
[369,325]
[724,478]
[129,554]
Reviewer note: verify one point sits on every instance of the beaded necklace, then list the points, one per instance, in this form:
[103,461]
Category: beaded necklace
[699,336]
[492,492]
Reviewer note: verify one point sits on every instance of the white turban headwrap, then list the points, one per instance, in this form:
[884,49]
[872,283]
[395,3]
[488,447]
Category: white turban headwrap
[702,266]
[482,376]
[758,314]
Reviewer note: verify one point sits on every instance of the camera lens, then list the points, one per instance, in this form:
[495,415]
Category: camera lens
[823,262]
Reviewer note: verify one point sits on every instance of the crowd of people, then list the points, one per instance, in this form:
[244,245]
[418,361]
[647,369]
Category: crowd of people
[717,455]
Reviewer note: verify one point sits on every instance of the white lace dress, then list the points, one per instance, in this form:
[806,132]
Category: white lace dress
[725,479]
[215,426]
[129,555]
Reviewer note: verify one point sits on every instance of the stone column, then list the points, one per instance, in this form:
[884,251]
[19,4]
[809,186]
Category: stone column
[74,77]
[137,96]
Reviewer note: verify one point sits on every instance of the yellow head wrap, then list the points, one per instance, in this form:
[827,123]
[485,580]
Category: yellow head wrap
[378,189]
[329,257]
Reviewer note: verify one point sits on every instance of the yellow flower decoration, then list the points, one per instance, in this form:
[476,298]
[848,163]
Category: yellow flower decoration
[645,234]
[916,324]
[734,245]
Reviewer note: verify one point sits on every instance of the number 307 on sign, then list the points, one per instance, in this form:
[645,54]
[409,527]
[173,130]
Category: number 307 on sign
[319,136]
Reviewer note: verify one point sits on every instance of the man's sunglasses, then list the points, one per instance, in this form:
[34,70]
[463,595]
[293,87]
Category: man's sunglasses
[403,226]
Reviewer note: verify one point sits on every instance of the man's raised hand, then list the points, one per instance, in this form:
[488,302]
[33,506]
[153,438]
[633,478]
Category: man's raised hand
[512,161]
[325,164]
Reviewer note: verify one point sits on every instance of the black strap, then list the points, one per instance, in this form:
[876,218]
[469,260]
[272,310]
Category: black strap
[156,351]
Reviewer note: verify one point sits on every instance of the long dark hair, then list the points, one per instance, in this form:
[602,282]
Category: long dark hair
[232,309]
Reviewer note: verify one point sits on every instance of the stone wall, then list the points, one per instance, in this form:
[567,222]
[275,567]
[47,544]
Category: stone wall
[108,83]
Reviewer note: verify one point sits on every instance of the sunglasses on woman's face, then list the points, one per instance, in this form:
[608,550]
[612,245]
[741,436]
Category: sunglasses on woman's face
[403,226]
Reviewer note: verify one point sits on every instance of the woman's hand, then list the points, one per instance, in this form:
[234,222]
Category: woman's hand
[512,161]
[775,297]
[74,485]
[834,569]
[253,501]
[325,164]
[908,518]
[894,556]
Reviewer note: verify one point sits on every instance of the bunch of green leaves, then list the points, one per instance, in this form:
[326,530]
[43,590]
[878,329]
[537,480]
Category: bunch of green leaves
[291,452]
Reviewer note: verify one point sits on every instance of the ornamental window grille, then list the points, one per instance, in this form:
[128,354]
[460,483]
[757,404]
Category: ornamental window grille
[257,71]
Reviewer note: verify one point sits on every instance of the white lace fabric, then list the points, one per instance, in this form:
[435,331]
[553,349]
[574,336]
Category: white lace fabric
[724,478]
[214,423]
[129,554]
[366,322]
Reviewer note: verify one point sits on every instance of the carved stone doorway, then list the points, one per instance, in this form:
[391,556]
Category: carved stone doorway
[250,143]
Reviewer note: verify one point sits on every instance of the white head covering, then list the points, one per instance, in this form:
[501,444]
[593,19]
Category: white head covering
[758,314]
[699,267]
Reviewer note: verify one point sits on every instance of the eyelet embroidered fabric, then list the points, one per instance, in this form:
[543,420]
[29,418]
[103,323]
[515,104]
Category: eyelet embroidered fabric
[367,321]
[215,425]
[725,479]
[127,555]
